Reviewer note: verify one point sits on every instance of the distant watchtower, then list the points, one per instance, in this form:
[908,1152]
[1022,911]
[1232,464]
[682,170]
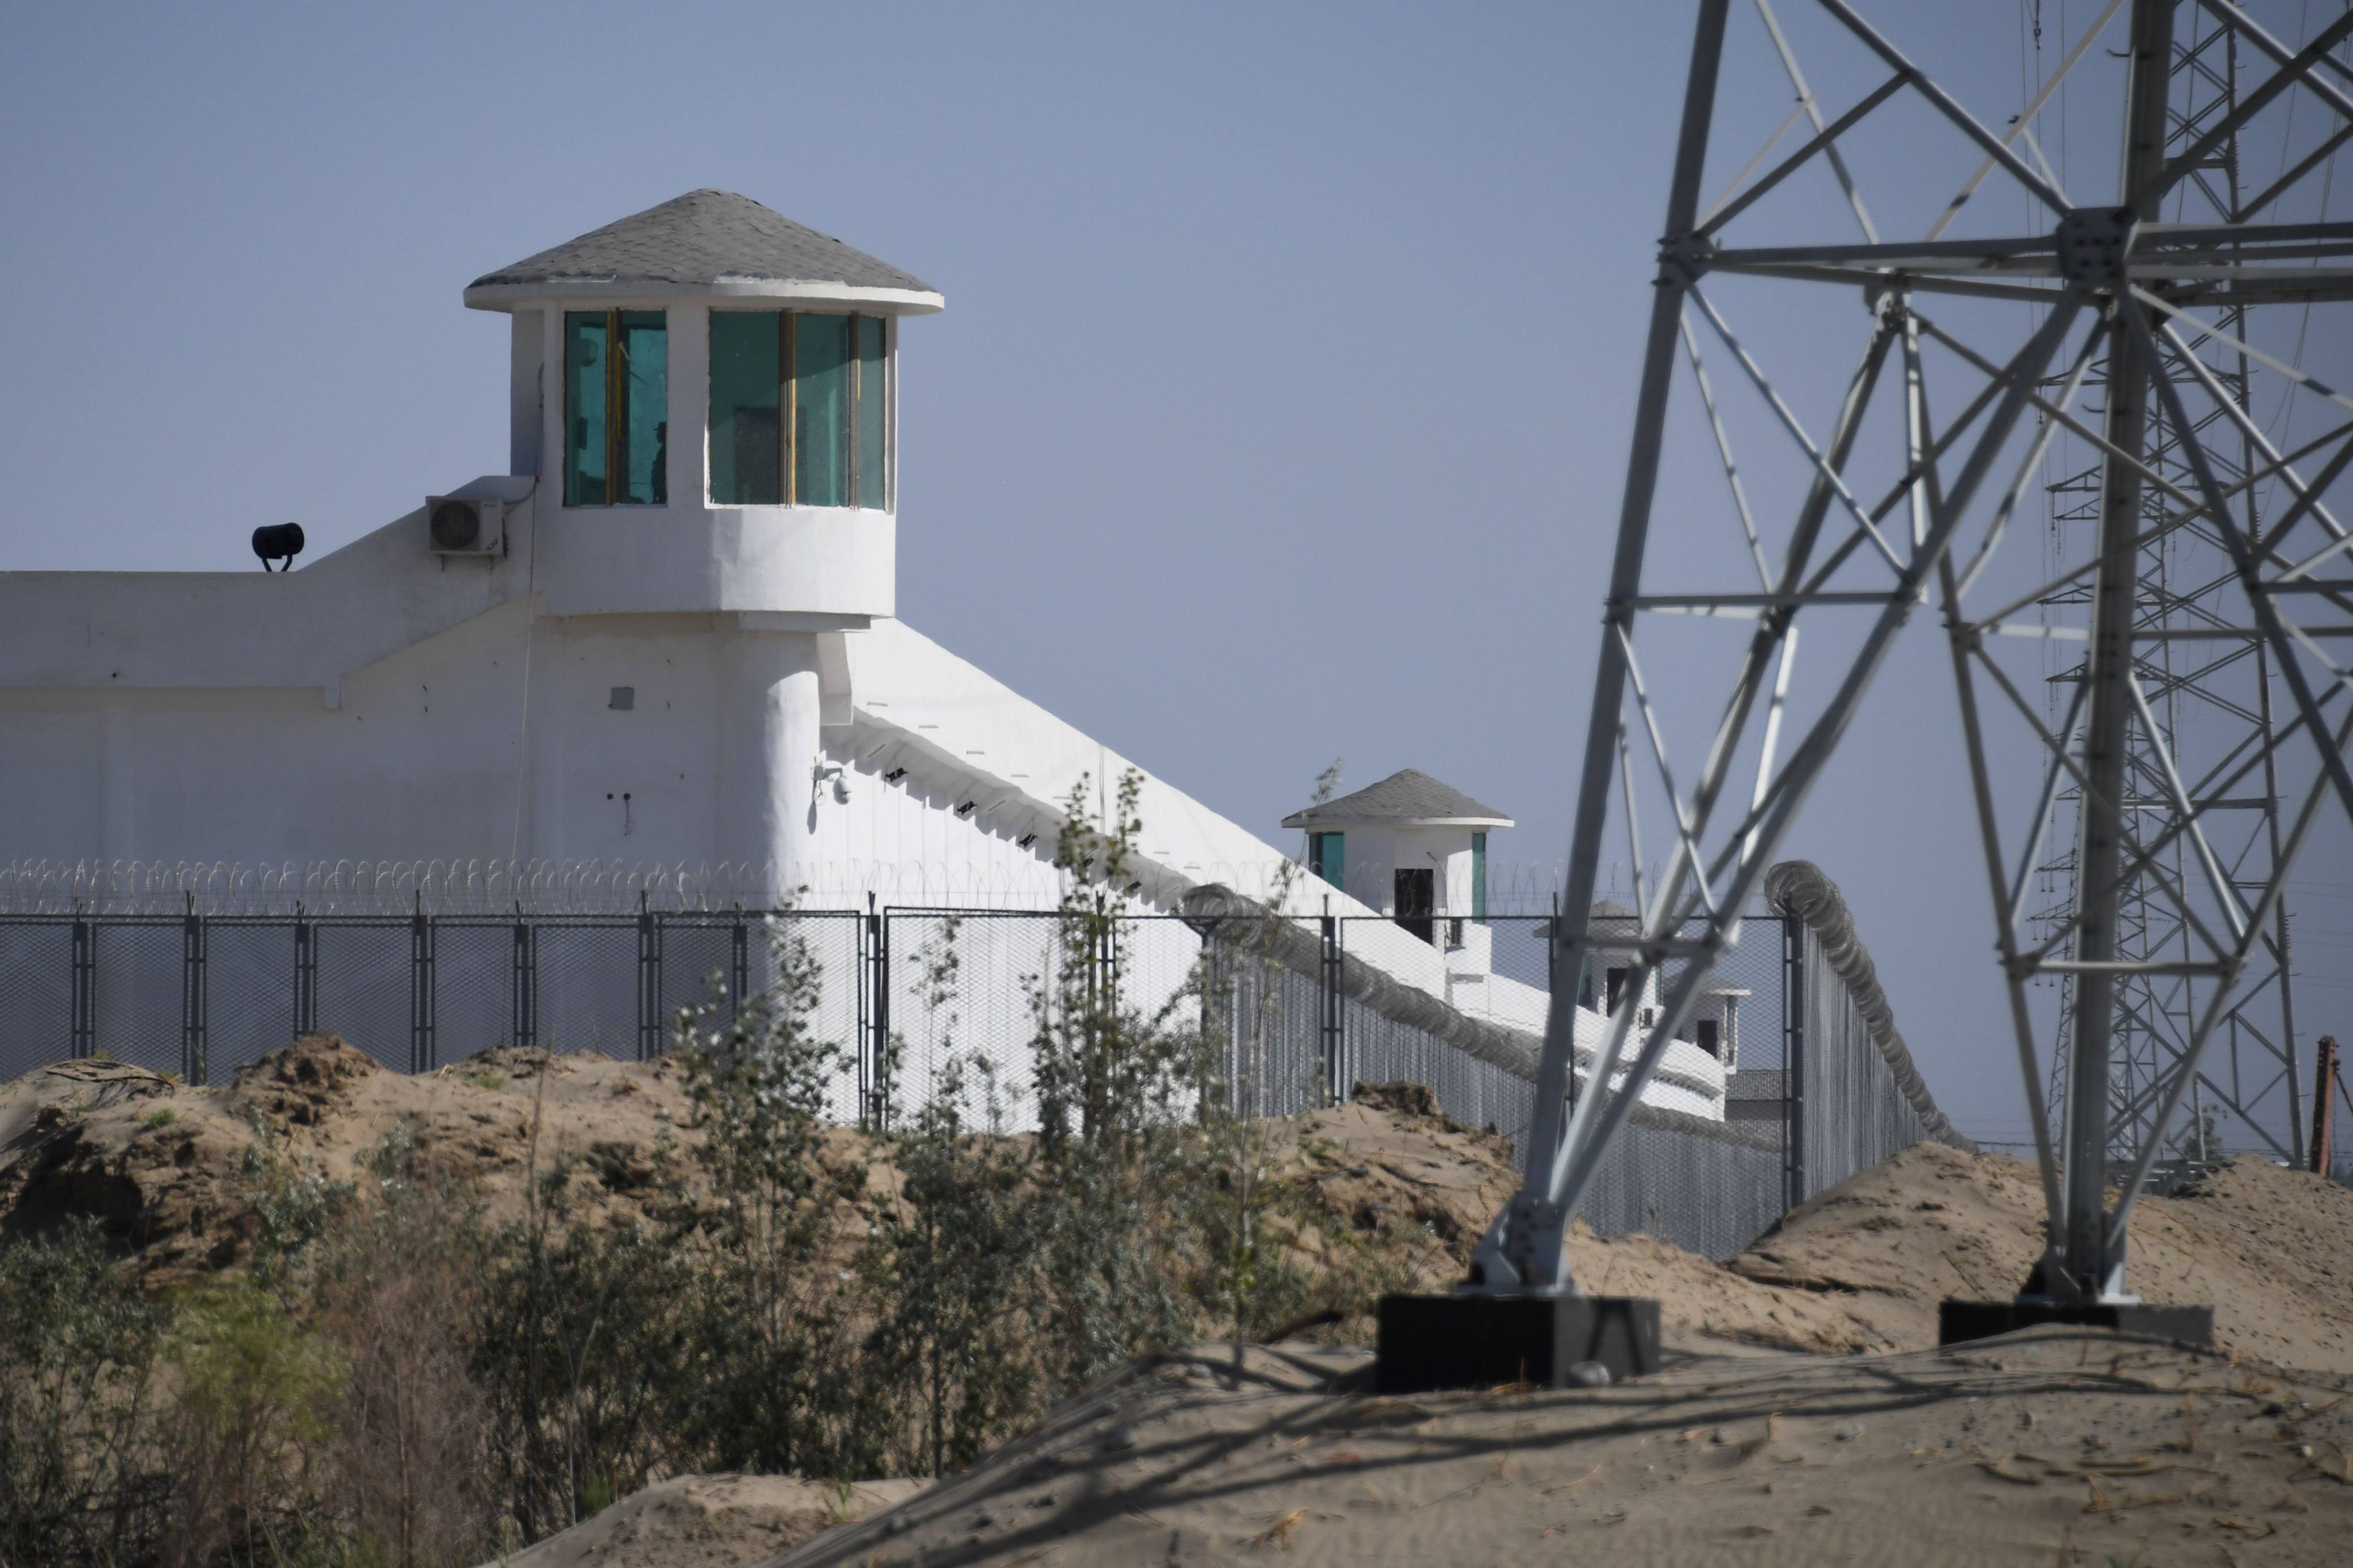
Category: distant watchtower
[1409,847]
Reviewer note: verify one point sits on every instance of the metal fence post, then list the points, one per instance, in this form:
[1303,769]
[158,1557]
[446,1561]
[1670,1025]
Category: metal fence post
[873,1095]
[306,975]
[193,1010]
[1794,938]
[2324,1080]
[1210,1034]
[1329,995]
[525,982]
[1107,961]
[85,989]
[423,1013]
[739,966]
[650,967]
[867,939]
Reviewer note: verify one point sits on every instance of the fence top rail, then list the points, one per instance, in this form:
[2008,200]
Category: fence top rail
[709,918]
[362,885]
[1047,911]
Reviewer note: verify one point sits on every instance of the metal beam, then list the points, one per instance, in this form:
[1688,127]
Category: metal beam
[1532,1216]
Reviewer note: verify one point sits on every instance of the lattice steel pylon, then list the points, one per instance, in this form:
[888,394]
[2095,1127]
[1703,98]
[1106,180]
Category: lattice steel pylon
[1980,339]
[2216,701]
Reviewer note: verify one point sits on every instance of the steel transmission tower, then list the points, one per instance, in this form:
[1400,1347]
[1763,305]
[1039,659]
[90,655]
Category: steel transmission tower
[2204,698]
[2023,312]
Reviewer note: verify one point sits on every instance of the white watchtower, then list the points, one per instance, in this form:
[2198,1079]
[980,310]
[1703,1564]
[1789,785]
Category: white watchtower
[706,394]
[1410,846]
[704,391]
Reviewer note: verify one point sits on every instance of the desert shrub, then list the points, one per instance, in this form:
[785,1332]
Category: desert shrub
[399,1298]
[293,1207]
[580,1351]
[1116,1086]
[776,1387]
[952,1263]
[248,1421]
[80,1477]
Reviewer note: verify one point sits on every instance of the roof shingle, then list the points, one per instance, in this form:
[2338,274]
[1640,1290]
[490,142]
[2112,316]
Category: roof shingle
[1403,798]
[704,236]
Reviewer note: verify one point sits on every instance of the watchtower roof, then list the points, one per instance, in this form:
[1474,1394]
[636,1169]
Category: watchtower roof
[1408,798]
[705,242]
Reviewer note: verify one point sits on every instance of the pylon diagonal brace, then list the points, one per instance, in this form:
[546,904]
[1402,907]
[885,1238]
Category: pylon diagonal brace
[1523,1250]
[1827,473]
[1995,147]
[1812,106]
[2120,1220]
[2144,860]
[2267,617]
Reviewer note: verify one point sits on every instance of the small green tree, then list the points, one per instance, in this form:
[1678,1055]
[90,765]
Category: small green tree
[1251,1281]
[249,1424]
[584,1354]
[79,1481]
[778,1389]
[955,1257]
[1116,1086]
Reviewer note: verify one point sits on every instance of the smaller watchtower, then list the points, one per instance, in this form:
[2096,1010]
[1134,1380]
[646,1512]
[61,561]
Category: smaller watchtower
[1410,846]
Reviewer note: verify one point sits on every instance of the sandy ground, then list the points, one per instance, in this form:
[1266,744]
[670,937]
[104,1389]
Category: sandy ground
[1853,1276]
[2271,1249]
[164,1167]
[2049,1447]
[710,1522]
[1859,1267]
[1360,1160]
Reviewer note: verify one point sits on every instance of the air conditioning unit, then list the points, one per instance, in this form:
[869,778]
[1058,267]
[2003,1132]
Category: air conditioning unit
[464,525]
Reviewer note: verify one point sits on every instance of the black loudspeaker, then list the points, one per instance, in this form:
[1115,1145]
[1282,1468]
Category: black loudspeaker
[278,542]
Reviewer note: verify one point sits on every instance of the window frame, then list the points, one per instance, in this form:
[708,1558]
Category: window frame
[789,410]
[612,410]
[1334,871]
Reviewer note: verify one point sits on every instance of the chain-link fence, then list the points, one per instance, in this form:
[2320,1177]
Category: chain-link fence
[1780,1083]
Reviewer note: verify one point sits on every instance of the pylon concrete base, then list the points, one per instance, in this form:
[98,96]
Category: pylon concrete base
[1961,1320]
[1430,1343]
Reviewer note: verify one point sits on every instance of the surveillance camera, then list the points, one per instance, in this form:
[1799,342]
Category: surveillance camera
[841,788]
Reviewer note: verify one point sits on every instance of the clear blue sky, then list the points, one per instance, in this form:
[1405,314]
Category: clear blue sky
[1278,413]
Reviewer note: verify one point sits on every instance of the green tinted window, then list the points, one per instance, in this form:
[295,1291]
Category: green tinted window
[1327,856]
[800,409]
[641,412]
[873,420]
[615,407]
[584,408]
[1479,876]
[821,410]
[747,378]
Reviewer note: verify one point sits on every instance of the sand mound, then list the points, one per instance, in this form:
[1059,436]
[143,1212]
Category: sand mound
[2046,1450]
[710,1522]
[1391,1155]
[2271,1249]
[2039,1448]
[164,1170]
